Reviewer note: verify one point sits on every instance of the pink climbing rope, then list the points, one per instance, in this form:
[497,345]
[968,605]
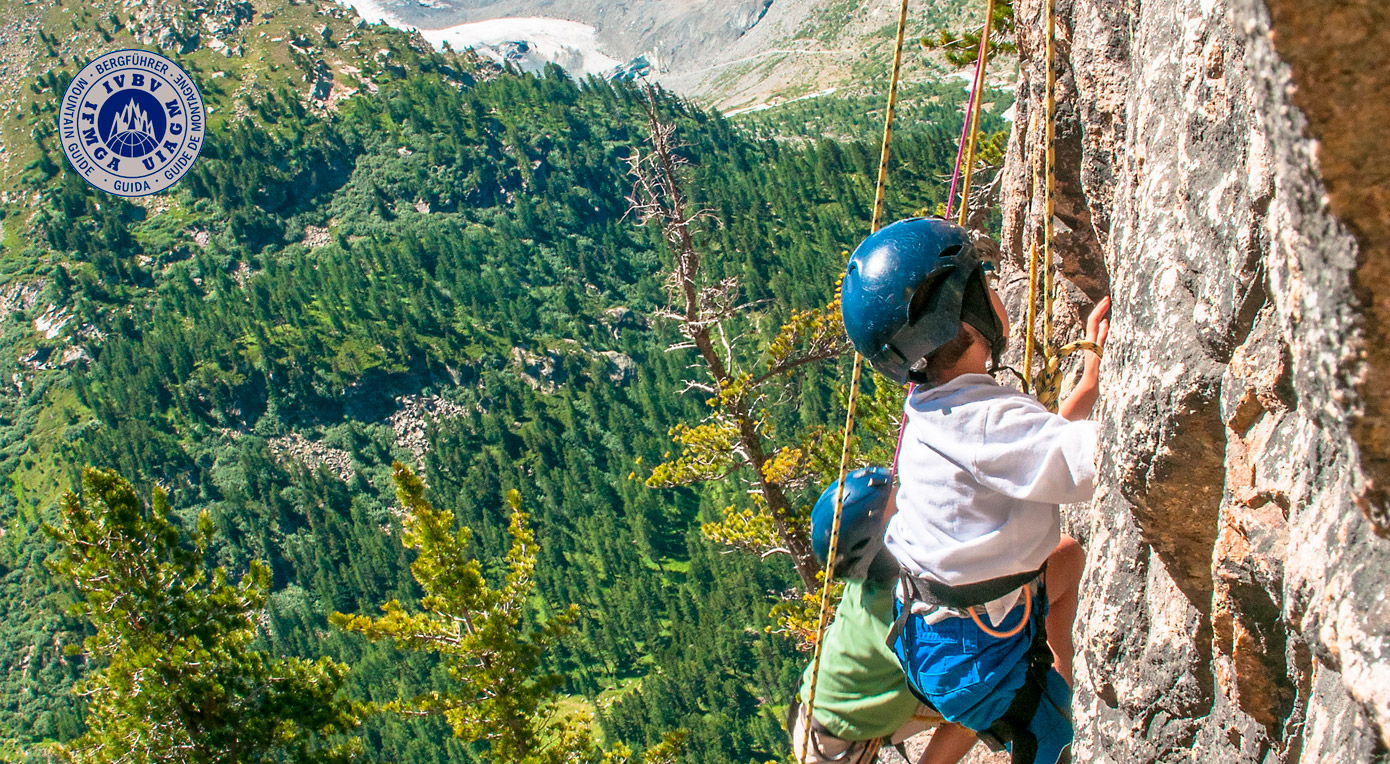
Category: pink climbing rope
[966,125]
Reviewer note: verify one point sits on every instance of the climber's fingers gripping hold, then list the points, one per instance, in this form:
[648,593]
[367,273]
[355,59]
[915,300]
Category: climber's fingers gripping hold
[1098,323]
[1097,329]
[1083,397]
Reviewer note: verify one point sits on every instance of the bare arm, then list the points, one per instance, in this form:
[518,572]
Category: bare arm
[1078,405]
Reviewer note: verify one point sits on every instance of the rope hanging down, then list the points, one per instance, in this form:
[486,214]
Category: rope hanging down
[1049,381]
[972,123]
[1032,315]
[965,156]
[874,224]
[965,164]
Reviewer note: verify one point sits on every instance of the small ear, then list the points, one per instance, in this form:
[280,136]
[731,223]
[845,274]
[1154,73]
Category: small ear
[925,294]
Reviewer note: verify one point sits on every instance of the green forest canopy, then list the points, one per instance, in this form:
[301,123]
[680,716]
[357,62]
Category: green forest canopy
[454,234]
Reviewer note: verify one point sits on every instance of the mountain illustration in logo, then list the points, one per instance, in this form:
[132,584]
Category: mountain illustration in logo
[133,125]
[133,122]
[132,132]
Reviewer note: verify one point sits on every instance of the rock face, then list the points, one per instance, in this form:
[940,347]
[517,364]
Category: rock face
[1222,174]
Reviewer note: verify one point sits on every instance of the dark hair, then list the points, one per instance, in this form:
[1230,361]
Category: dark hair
[929,369]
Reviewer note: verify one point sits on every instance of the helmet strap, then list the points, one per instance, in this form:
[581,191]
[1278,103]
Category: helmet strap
[978,311]
[998,367]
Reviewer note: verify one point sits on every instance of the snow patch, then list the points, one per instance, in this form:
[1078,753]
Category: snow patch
[529,42]
[370,11]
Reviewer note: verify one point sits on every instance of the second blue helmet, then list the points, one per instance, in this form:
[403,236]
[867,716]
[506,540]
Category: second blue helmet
[907,290]
[863,519]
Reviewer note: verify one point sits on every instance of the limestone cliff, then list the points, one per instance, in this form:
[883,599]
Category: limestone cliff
[1222,173]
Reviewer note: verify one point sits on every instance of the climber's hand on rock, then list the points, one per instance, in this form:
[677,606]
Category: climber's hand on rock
[1098,323]
[1097,328]
[1083,397]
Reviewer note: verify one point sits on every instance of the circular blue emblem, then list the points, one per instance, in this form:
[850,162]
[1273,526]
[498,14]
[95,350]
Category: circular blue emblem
[132,122]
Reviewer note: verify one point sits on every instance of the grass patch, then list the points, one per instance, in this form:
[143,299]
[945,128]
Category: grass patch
[45,469]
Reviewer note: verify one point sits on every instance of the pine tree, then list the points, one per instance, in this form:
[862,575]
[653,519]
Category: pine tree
[739,432]
[179,679]
[491,648]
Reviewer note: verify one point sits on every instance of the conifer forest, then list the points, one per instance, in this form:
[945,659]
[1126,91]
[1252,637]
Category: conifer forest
[382,437]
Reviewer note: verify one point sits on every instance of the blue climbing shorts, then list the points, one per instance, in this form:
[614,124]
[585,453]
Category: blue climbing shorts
[971,677]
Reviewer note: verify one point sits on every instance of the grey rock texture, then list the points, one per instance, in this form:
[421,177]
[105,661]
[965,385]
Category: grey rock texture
[1222,174]
[1340,67]
[412,421]
[313,454]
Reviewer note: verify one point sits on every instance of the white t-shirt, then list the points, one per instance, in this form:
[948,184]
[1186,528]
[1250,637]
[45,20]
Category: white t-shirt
[982,470]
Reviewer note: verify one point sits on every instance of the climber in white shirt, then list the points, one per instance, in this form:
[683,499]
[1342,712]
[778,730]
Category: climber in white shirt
[987,576]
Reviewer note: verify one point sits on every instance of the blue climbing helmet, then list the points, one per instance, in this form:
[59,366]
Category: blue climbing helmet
[907,290]
[863,518]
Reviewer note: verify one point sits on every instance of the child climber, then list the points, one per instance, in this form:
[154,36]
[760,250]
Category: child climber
[983,469]
[861,699]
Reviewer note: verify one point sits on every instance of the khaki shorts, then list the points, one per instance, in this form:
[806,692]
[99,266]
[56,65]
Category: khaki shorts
[828,749]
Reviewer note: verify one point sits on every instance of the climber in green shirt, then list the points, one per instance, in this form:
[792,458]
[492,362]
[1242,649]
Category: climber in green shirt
[862,699]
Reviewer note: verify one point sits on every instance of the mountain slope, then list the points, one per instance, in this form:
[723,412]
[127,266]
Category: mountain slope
[727,55]
[674,36]
[438,268]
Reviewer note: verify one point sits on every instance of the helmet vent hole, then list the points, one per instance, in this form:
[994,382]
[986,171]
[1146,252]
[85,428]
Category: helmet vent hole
[950,251]
[859,545]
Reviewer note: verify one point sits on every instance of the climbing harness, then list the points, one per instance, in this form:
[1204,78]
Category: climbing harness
[965,598]
[1012,728]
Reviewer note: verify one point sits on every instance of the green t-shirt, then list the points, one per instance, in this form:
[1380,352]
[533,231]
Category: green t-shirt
[861,694]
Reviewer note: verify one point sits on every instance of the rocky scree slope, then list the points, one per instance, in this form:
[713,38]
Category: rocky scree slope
[728,54]
[676,35]
[1218,176]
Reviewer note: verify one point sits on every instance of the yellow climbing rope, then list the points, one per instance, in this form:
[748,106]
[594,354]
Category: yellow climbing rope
[1048,388]
[1049,377]
[1050,162]
[874,224]
[974,129]
[1032,315]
